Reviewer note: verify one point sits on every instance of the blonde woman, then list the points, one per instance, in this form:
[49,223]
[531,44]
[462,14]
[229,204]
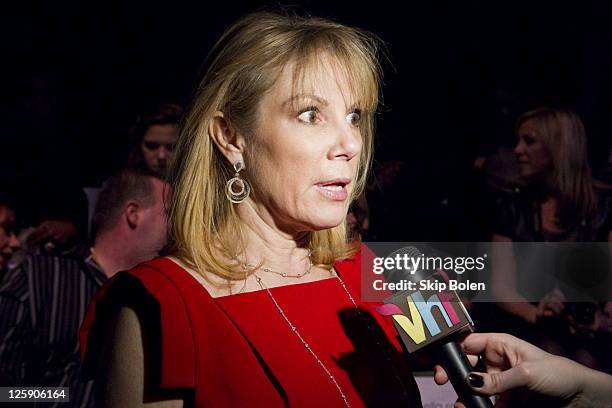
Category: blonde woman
[255,306]
[559,204]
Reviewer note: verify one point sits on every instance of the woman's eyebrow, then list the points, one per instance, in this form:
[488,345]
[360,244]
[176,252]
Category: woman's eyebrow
[314,97]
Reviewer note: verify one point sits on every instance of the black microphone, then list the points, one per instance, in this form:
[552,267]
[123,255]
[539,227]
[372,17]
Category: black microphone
[430,318]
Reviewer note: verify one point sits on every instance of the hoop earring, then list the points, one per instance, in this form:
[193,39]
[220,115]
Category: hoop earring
[237,189]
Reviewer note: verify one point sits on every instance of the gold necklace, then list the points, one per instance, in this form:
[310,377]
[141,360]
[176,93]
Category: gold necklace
[285,274]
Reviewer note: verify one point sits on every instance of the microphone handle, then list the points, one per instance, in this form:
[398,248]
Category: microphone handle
[457,366]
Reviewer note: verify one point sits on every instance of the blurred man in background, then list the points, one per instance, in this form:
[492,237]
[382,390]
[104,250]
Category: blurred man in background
[43,301]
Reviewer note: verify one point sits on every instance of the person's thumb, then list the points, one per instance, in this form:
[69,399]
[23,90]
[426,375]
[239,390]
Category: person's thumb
[496,383]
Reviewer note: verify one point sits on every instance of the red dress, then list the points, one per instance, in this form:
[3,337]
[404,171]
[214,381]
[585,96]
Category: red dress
[238,351]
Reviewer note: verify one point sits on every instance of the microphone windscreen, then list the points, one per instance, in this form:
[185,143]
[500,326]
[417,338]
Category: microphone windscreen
[423,317]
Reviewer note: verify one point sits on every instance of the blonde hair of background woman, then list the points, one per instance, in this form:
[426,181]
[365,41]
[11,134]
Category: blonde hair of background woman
[563,134]
[205,230]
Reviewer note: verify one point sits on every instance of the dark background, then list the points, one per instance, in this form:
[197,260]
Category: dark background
[76,76]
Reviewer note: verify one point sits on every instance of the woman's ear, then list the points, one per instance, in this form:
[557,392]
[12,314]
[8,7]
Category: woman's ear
[227,139]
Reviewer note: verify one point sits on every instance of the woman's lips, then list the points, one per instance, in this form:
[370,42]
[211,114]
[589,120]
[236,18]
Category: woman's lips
[335,191]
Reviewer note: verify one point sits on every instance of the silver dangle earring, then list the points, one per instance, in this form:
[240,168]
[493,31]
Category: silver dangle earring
[237,189]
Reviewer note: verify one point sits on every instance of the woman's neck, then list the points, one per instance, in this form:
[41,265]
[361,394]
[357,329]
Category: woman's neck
[273,250]
[266,243]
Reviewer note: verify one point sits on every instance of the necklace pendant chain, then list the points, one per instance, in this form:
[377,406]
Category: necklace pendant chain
[305,343]
[311,351]
[285,274]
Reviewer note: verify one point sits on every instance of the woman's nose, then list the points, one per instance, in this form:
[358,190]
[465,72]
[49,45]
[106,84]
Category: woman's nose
[348,144]
[519,148]
[162,153]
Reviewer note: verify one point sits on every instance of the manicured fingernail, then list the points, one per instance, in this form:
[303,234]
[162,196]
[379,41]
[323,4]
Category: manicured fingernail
[475,380]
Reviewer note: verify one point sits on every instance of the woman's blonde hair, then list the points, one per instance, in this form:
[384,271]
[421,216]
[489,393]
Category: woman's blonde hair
[244,64]
[563,134]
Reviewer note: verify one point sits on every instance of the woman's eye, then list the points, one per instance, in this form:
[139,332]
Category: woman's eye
[151,145]
[309,115]
[354,118]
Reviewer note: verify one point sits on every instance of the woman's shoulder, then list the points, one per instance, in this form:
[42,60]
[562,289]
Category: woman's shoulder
[157,291]
[165,276]
[349,269]
[351,264]
[168,268]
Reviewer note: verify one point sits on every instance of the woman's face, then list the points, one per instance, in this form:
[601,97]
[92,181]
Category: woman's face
[533,156]
[157,146]
[305,152]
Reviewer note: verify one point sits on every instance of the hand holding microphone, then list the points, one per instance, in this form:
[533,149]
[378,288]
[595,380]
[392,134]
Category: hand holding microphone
[513,363]
[429,321]
[433,321]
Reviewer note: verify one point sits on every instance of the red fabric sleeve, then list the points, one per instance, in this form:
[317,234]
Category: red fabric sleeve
[140,288]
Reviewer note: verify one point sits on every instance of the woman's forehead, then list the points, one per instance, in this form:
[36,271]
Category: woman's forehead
[320,80]
[528,126]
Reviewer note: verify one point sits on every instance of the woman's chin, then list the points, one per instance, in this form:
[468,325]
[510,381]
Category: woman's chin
[322,223]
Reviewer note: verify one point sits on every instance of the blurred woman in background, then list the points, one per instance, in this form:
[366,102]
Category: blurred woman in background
[154,136]
[559,204]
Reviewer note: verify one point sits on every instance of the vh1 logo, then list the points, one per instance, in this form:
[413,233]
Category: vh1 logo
[422,317]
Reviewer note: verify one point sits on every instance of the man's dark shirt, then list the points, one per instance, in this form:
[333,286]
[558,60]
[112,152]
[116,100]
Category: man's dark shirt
[42,305]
